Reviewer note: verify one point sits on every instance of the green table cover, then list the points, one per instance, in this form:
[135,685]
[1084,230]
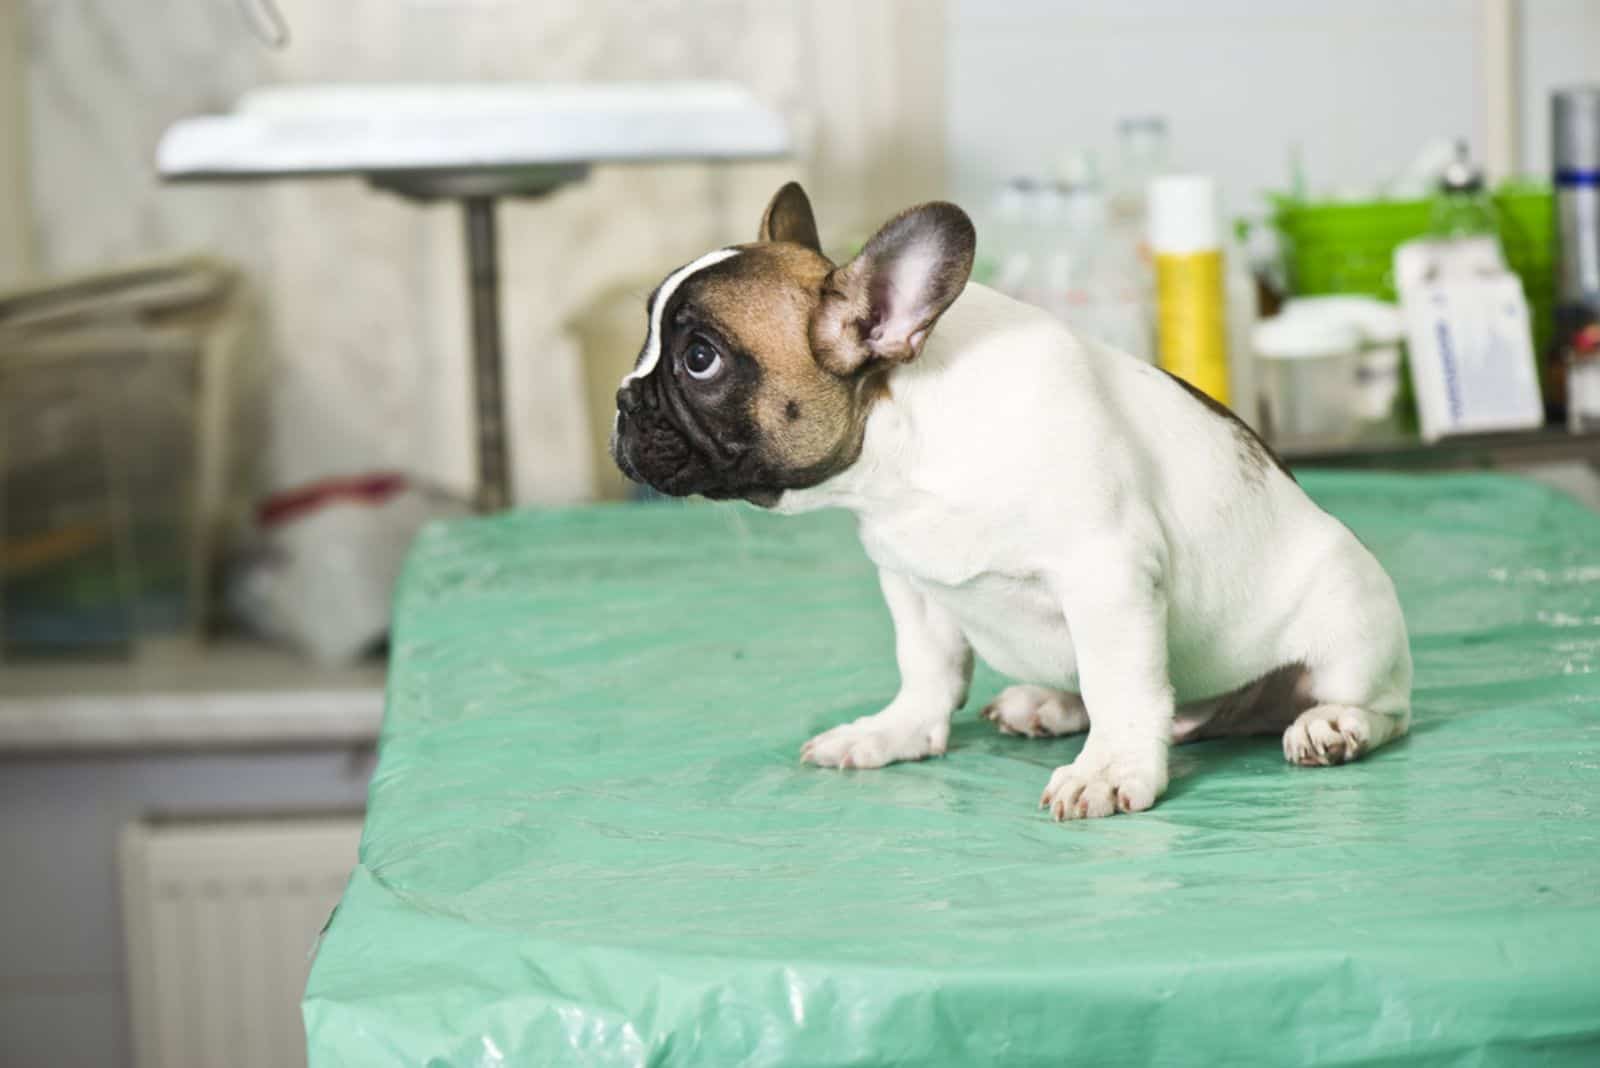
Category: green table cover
[590,840]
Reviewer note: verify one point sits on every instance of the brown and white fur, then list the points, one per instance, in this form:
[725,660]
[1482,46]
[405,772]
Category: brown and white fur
[1128,551]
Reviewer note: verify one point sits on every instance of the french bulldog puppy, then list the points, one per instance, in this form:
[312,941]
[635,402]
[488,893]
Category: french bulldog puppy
[1121,545]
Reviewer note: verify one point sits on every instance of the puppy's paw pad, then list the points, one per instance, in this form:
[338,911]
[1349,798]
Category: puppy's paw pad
[1037,712]
[871,743]
[1327,735]
[1091,790]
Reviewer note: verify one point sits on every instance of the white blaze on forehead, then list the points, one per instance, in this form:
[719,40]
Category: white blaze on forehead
[652,342]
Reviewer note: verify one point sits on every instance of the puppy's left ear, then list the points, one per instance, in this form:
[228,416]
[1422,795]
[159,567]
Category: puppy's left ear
[882,304]
[789,218]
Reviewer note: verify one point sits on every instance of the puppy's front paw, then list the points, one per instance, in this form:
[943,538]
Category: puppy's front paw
[873,741]
[1091,787]
[1037,712]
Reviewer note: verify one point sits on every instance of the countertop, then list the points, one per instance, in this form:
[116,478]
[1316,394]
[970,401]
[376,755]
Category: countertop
[231,695]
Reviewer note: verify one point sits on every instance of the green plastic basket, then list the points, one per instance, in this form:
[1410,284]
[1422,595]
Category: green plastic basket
[1348,247]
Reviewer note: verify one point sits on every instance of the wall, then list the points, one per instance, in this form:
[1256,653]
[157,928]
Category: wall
[364,291]
[1359,85]
[15,251]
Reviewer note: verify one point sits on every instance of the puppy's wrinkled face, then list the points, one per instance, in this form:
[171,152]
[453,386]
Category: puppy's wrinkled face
[727,399]
[761,361]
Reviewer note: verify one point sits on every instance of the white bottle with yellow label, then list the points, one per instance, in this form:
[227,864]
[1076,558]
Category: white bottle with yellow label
[1191,290]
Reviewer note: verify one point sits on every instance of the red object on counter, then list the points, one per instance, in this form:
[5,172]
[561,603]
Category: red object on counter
[364,489]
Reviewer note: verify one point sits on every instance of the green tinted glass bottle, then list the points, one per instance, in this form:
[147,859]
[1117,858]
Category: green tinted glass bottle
[1462,206]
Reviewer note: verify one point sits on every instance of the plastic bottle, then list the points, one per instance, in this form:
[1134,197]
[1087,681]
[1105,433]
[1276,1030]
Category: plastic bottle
[1191,300]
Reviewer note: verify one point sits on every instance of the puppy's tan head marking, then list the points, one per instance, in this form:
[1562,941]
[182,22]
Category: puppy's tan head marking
[769,357]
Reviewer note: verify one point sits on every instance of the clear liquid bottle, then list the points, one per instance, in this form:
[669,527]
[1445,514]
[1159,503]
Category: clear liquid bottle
[1049,283]
[1143,155]
[1003,235]
[1142,146]
[1011,225]
[1109,287]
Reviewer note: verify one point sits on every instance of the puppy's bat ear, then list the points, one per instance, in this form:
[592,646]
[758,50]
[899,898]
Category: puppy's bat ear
[881,305]
[788,218]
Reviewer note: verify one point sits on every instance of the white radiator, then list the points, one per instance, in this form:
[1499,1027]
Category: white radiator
[221,917]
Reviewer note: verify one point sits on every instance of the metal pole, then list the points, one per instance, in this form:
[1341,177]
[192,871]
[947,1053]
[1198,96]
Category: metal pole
[1499,86]
[483,277]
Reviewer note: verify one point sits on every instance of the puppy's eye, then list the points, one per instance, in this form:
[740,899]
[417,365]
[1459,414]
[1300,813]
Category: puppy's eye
[701,360]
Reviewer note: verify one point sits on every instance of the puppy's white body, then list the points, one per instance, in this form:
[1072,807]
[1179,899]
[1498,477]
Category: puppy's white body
[1125,549]
[1084,523]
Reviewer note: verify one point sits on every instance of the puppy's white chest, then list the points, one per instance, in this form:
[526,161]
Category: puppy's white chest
[1014,623]
[929,545]
[1009,616]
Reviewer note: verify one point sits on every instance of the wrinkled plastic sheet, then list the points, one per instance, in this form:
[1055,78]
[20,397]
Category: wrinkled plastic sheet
[590,840]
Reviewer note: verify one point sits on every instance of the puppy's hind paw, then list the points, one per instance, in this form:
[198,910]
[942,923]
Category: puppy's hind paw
[1327,735]
[1037,712]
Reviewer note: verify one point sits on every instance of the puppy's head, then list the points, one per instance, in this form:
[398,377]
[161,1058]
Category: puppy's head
[761,361]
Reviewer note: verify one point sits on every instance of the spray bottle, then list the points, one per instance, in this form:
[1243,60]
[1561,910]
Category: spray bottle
[1191,294]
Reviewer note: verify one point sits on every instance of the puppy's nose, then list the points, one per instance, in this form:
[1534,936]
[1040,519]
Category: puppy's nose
[627,400]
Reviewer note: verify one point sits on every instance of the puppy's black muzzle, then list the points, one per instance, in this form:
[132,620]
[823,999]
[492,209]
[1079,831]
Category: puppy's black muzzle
[648,447]
[660,444]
